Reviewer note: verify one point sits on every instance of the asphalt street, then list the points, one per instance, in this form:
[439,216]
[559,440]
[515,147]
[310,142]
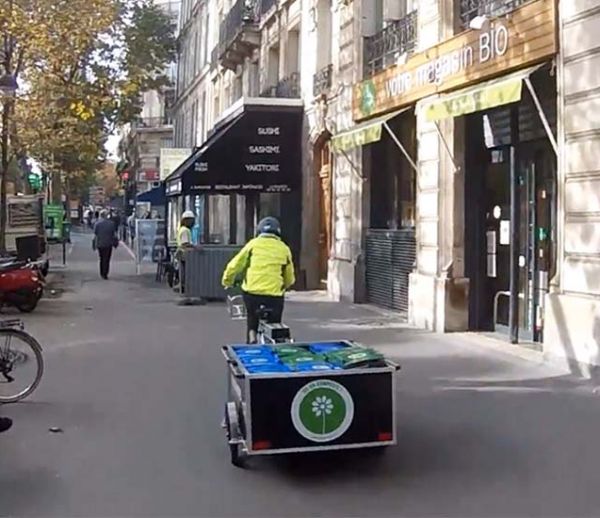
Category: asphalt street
[137,386]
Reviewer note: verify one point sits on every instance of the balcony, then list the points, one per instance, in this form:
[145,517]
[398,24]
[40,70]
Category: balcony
[384,48]
[150,123]
[322,81]
[470,9]
[239,35]
[267,5]
[287,88]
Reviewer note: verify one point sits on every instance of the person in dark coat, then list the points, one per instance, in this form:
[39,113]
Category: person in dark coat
[105,239]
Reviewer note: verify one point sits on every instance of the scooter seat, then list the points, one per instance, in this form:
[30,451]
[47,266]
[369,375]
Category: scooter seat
[9,267]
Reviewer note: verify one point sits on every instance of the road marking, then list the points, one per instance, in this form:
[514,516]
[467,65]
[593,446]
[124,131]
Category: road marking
[129,250]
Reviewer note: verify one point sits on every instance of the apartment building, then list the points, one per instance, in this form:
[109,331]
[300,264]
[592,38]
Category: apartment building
[142,141]
[250,116]
[445,154]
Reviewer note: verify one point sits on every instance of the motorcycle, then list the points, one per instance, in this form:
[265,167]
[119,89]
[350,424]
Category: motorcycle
[21,285]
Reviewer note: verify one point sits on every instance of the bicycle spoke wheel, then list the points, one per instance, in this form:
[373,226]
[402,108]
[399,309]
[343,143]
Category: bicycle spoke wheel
[21,365]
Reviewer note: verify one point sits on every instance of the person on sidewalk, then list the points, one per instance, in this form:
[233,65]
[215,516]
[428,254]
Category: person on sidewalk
[5,424]
[105,239]
[266,269]
[184,242]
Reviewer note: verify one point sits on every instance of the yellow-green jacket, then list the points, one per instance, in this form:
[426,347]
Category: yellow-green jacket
[265,265]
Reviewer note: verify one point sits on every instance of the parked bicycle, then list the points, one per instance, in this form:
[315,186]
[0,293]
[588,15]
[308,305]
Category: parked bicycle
[21,362]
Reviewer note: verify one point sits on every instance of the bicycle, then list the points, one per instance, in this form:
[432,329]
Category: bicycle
[21,362]
[268,332]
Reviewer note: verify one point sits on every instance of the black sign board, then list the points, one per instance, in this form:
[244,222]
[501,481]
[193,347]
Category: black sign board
[272,410]
[261,151]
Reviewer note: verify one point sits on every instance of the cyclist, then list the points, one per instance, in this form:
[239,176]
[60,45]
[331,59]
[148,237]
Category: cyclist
[5,424]
[266,270]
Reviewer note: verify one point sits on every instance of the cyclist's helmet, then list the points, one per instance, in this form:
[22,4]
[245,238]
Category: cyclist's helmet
[269,225]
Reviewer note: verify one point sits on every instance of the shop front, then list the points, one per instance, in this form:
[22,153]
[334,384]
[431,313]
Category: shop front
[510,236]
[485,188]
[388,150]
[249,168]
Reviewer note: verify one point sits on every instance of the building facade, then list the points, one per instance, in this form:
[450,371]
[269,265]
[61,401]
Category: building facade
[447,168]
[573,307]
[142,140]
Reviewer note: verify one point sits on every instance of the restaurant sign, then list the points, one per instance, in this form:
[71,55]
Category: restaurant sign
[526,37]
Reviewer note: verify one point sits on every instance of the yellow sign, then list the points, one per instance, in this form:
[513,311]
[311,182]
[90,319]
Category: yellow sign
[474,100]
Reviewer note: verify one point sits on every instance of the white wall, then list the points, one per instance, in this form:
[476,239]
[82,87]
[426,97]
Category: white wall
[573,308]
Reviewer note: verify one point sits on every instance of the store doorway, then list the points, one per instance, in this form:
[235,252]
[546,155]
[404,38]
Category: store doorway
[324,194]
[489,241]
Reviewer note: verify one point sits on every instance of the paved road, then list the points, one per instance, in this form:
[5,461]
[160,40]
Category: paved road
[137,385]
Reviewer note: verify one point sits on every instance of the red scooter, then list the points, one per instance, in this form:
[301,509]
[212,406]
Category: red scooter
[21,285]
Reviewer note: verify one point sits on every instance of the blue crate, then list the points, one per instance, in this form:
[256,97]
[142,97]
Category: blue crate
[258,360]
[250,350]
[325,348]
[267,368]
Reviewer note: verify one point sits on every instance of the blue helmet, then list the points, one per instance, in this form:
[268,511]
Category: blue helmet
[269,225]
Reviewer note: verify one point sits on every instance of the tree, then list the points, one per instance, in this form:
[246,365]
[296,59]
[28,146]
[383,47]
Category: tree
[83,65]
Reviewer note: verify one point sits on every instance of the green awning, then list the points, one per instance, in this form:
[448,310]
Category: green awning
[484,96]
[362,134]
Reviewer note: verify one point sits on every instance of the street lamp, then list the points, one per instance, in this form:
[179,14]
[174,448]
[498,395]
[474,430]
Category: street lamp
[8,85]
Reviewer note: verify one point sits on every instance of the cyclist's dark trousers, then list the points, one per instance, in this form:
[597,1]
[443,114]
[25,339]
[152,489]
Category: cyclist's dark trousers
[254,302]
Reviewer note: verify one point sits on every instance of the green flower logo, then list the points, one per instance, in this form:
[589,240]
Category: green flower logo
[322,410]
[368,97]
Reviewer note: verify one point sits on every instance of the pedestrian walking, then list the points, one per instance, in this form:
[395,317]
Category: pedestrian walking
[89,217]
[131,225]
[105,239]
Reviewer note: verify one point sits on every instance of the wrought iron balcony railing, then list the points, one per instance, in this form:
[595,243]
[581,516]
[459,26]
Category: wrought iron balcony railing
[267,5]
[469,9]
[322,81]
[242,13]
[239,35]
[153,122]
[383,49]
[288,88]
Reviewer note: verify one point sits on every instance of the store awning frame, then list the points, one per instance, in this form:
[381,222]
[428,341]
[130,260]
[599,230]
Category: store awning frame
[262,135]
[370,132]
[484,96]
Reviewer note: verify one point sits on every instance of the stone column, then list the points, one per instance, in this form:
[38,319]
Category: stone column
[438,289]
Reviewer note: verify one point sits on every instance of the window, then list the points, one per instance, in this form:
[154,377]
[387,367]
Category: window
[293,52]
[273,66]
[205,30]
[202,132]
[324,34]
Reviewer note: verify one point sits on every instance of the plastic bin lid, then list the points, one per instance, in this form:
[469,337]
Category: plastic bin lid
[258,360]
[267,368]
[251,349]
[327,347]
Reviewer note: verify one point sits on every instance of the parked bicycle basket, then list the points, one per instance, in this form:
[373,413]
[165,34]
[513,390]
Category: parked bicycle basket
[236,307]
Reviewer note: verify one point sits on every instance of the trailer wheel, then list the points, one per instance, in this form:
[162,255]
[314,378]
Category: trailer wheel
[234,433]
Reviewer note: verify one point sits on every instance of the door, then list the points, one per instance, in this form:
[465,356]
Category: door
[325,200]
[496,242]
[536,255]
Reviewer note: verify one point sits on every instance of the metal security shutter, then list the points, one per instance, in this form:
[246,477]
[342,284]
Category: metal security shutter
[391,256]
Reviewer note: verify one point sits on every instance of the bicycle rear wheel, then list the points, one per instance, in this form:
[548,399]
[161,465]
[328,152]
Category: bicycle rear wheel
[21,365]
